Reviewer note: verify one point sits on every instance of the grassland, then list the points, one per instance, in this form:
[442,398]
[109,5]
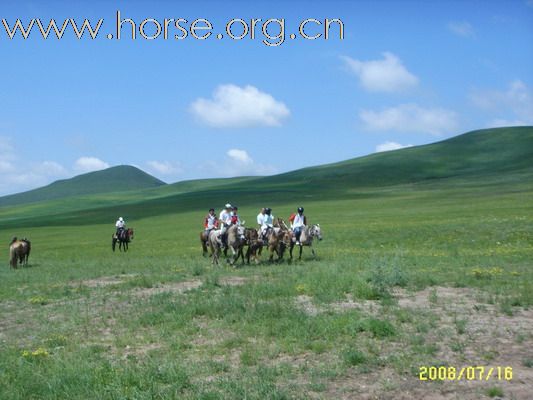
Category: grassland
[433,272]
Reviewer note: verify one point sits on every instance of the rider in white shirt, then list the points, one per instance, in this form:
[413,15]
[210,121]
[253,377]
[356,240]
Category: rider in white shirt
[210,221]
[298,224]
[268,221]
[261,217]
[225,221]
[120,225]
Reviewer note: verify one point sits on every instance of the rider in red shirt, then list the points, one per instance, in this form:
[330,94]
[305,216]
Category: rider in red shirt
[235,220]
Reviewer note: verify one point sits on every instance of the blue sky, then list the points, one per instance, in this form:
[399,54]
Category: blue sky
[406,73]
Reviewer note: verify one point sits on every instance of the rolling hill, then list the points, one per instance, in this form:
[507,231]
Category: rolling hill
[114,179]
[480,153]
[490,158]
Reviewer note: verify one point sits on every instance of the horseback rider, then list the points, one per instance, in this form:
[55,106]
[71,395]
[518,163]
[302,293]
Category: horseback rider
[121,227]
[298,223]
[225,221]
[210,222]
[261,217]
[268,222]
[235,220]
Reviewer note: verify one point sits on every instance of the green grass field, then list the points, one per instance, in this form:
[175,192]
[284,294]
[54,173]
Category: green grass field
[427,262]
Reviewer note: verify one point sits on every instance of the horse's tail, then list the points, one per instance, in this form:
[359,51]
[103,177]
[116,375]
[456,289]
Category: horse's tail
[28,248]
[12,256]
[204,241]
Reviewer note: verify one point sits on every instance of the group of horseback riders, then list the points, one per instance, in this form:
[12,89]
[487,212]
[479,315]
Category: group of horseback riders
[265,220]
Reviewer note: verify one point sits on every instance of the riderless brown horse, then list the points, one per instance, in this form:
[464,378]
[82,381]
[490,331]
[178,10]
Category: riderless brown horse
[19,252]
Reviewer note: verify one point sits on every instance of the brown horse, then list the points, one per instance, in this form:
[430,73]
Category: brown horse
[19,252]
[278,239]
[123,240]
[204,240]
[254,242]
[236,241]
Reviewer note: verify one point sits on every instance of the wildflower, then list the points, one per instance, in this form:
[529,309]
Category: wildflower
[301,288]
[37,354]
[38,300]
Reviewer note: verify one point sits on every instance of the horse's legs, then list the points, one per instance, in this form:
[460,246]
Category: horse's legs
[216,255]
[204,247]
[241,254]
[231,259]
[248,253]
[272,249]
[313,252]
[301,248]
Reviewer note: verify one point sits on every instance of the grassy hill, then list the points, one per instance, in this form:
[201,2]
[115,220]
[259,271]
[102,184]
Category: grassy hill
[480,153]
[114,179]
[495,157]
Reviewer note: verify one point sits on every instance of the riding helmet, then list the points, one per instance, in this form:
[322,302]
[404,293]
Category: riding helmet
[300,209]
[228,205]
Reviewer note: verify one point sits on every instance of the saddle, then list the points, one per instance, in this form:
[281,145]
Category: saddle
[121,234]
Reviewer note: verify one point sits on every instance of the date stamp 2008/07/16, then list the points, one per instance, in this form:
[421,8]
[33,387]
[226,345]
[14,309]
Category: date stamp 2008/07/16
[468,373]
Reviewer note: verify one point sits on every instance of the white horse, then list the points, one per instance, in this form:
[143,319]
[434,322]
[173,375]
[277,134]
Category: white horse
[306,239]
[235,240]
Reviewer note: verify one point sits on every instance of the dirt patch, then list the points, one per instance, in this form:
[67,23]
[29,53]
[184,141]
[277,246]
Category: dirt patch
[306,304]
[233,281]
[467,332]
[434,296]
[103,281]
[140,350]
[174,287]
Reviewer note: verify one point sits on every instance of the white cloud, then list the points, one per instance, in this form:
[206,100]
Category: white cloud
[17,176]
[89,164]
[237,107]
[237,163]
[6,166]
[240,156]
[461,28]
[388,146]
[165,167]
[410,118]
[513,106]
[499,123]
[51,168]
[385,75]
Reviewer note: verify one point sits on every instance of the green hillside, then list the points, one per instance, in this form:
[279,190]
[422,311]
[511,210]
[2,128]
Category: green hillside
[114,179]
[481,153]
[497,158]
